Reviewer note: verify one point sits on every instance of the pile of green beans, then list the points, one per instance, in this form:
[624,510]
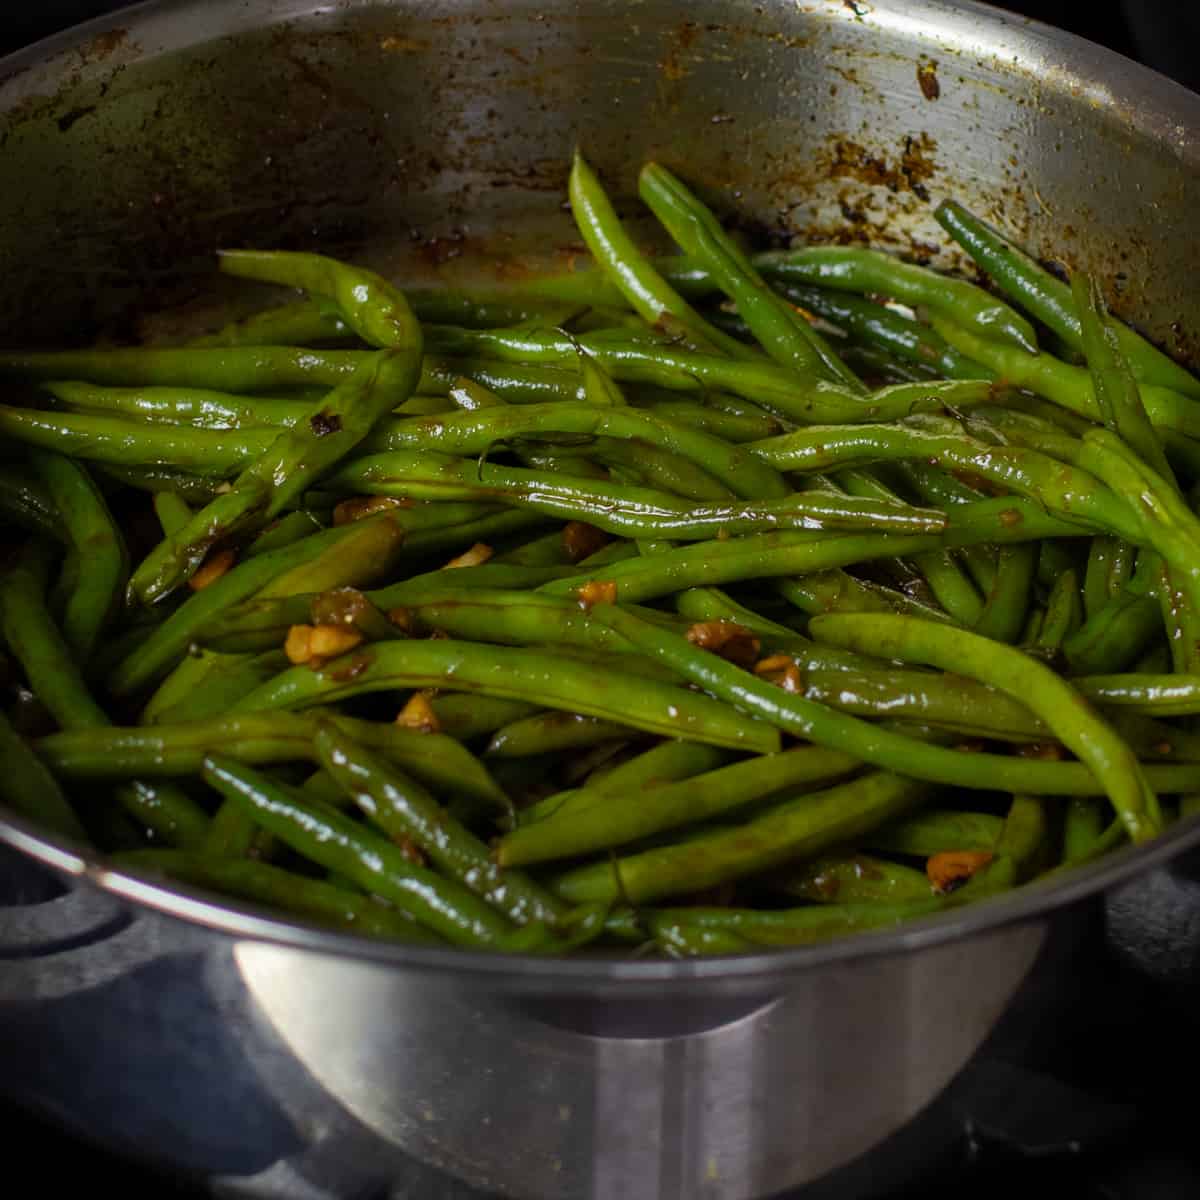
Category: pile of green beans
[696,604]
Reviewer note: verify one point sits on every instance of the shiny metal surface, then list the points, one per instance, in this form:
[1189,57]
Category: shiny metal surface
[280,1061]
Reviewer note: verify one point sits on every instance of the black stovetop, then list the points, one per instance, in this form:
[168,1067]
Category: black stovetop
[1100,1115]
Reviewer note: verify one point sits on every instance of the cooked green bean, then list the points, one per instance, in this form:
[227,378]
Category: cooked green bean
[257,739]
[335,842]
[29,789]
[799,826]
[552,680]
[617,819]
[1049,299]
[1062,707]
[277,888]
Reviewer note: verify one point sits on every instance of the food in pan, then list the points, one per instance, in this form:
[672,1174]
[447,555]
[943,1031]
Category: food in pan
[696,604]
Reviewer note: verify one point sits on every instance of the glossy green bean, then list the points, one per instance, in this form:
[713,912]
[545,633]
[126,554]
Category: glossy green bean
[296,458]
[96,544]
[694,931]
[775,388]
[1064,613]
[1061,706]
[850,878]
[260,739]
[665,763]
[321,559]
[873,273]
[784,333]
[1067,385]
[1049,299]
[473,433]
[276,888]
[29,789]
[402,808]
[548,733]
[197,407]
[339,844]
[937,831]
[24,501]
[643,288]
[799,826]
[616,819]
[872,744]
[882,327]
[552,680]
[616,508]
[1005,608]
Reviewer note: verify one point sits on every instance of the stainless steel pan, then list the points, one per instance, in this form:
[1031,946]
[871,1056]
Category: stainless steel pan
[275,1060]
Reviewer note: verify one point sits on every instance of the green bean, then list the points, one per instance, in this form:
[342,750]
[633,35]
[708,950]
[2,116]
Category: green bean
[39,645]
[948,701]
[273,887]
[172,511]
[112,440]
[234,369]
[1114,384]
[617,819]
[473,433]
[1062,707]
[871,272]
[1064,613]
[1004,611]
[837,590]
[322,559]
[198,407]
[29,789]
[784,333]
[299,323]
[1023,846]
[1083,824]
[937,831]
[296,457]
[798,827]
[734,930]
[24,501]
[96,544]
[852,878]
[775,388]
[711,604]
[1097,581]
[401,808]
[465,715]
[616,508]
[552,680]
[547,733]
[1157,695]
[1059,488]
[54,677]
[288,530]
[369,305]
[791,552]
[207,689]
[640,284]
[167,751]
[1049,300]
[1069,386]
[873,744]
[665,763]
[732,427]
[1118,632]
[333,841]
[886,329]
